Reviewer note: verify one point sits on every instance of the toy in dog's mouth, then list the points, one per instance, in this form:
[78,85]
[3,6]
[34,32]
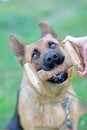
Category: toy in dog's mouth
[59,78]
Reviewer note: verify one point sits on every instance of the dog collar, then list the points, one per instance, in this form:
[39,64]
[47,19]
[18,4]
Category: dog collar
[67,104]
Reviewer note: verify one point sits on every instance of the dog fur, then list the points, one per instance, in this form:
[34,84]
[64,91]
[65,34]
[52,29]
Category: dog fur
[38,111]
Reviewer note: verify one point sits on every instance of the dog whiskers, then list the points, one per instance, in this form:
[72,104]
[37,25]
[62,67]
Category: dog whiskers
[72,94]
[78,97]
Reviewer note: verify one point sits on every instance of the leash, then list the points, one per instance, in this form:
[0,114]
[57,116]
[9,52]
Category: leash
[67,103]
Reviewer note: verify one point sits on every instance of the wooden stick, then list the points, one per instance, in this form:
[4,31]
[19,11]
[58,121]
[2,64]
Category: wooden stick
[44,75]
[74,56]
[34,78]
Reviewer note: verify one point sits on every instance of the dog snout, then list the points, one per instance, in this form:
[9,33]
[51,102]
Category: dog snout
[51,58]
[54,58]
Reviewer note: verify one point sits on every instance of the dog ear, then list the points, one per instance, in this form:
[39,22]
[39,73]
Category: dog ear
[46,29]
[17,47]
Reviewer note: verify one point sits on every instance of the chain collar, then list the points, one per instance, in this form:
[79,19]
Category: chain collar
[67,104]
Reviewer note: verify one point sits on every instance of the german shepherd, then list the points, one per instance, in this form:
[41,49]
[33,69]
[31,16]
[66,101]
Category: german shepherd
[38,111]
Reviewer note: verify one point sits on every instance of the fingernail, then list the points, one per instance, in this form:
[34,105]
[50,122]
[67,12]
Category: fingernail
[62,42]
[78,74]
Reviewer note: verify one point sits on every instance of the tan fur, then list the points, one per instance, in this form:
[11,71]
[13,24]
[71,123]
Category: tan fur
[44,112]
[41,111]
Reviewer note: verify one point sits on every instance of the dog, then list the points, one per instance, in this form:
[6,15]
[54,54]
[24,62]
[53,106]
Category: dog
[59,109]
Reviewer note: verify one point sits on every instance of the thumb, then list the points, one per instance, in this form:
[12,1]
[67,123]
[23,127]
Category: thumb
[74,40]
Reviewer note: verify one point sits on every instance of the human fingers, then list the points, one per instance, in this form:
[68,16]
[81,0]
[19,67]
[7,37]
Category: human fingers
[67,38]
[85,54]
[82,74]
[74,40]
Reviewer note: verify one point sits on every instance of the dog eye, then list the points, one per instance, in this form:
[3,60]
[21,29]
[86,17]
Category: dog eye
[36,54]
[52,45]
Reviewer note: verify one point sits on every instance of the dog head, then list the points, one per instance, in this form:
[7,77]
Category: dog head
[44,54]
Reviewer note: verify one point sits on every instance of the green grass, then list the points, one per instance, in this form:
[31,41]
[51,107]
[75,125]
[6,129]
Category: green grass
[21,17]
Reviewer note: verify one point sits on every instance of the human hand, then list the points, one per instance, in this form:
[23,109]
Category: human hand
[81,43]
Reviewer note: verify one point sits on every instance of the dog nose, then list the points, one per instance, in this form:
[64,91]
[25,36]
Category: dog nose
[54,58]
[51,57]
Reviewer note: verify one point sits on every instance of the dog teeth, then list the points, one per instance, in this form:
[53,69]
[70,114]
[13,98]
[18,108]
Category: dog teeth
[54,76]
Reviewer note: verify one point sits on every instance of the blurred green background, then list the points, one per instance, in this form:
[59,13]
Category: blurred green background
[21,17]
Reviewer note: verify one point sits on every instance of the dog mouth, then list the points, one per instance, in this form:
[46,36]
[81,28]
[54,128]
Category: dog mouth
[59,78]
